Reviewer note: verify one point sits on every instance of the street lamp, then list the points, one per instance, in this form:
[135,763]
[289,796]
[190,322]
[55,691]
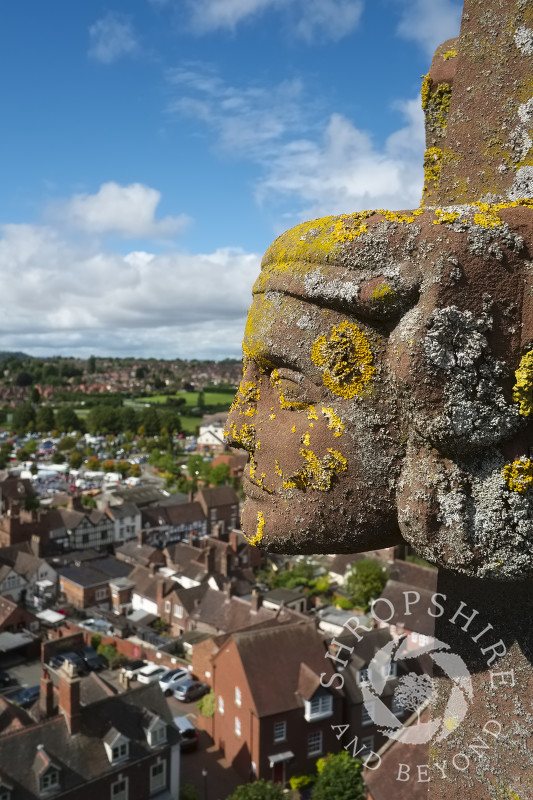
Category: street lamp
[204,776]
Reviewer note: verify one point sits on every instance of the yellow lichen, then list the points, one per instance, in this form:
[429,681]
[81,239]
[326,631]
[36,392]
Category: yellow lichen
[306,439]
[519,475]
[345,358]
[317,473]
[449,54]
[523,388]
[244,436]
[437,109]
[311,414]
[383,292]
[334,422]
[254,540]
[445,217]
[425,90]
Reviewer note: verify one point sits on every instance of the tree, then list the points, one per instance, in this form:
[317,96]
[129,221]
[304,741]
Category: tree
[218,475]
[91,365]
[413,690]
[260,790]
[339,778]
[365,582]
[66,443]
[75,460]
[67,420]
[23,418]
[45,420]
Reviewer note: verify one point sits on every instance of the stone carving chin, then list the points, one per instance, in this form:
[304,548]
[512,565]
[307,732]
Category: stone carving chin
[388,356]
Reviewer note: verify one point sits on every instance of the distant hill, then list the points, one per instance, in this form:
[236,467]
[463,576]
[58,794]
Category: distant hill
[4,354]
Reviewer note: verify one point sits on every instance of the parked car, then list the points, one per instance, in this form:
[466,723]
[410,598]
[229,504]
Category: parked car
[132,668]
[57,662]
[26,697]
[5,678]
[190,689]
[92,660]
[189,734]
[169,681]
[151,673]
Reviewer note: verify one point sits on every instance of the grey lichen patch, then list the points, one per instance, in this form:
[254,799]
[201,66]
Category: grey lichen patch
[522,185]
[475,411]
[317,285]
[502,523]
[487,241]
[523,39]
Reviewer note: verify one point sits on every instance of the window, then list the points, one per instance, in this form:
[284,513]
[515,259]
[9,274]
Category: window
[119,789]
[314,743]
[362,675]
[319,707]
[178,610]
[120,751]
[367,709]
[157,735]
[85,538]
[280,731]
[50,780]
[167,606]
[158,776]
[220,704]
[238,698]
[100,594]
[237,726]
[397,707]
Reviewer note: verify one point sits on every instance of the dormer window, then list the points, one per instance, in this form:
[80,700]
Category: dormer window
[156,732]
[5,791]
[49,782]
[117,746]
[120,751]
[319,707]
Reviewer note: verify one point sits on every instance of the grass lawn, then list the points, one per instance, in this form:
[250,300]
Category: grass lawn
[189,424]
[191,398]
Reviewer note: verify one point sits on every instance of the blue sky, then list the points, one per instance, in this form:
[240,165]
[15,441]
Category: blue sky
[152,149]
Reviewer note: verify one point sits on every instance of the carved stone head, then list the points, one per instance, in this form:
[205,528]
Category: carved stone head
[388,388]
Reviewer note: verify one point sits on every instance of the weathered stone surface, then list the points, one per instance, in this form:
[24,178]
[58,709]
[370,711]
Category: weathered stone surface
[388,380]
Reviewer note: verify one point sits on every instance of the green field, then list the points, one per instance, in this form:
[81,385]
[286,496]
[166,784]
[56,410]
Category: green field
[191,398]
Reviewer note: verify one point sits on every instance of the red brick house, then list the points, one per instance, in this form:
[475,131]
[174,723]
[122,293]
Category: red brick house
[220,505]
[122,747]
[273,718]
[14,618]
[87,583]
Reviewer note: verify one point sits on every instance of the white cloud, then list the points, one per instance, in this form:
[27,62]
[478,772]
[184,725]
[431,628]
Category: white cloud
[346,172]
[111,38]
[429,22]
[126,210]
[65,298]
[249,120]
[308,19]
[307,168]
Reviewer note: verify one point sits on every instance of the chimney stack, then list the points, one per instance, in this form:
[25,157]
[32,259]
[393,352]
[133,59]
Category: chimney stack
[46,697]
[256,601]
[210,560]
[69,697]
[141,538]
[225,563]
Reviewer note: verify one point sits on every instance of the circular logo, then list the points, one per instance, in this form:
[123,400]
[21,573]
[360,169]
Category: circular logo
[415,691]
